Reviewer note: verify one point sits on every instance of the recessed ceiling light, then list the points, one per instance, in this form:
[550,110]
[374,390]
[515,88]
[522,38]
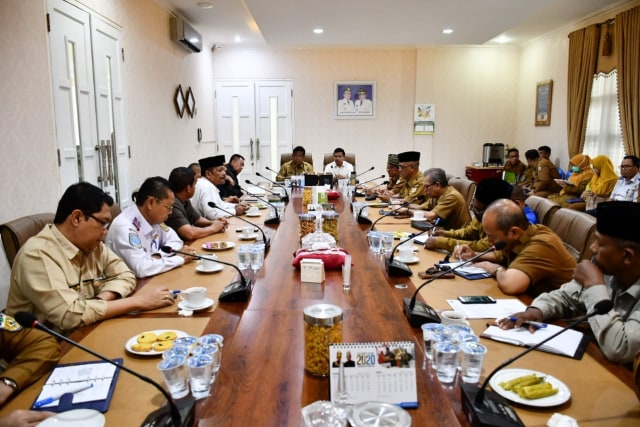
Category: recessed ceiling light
[205,5]
[447,31]
[318,30]
[237,39]
[502,39]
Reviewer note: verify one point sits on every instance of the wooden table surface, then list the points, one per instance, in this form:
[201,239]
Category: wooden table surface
[262,380]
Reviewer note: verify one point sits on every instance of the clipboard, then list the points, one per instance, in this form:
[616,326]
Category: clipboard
[81,371]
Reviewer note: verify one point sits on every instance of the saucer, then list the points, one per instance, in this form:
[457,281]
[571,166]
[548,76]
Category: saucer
[413,218]
[208,302]
[253,214]
[411,260]
[217,268]
[75,417]
[249,237]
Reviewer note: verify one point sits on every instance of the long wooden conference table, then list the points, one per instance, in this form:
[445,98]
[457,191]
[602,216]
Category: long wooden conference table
[262,381]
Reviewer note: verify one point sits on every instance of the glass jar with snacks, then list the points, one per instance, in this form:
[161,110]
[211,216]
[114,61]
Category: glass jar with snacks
[322,326]
[307,224]
[307,197]
[330,223]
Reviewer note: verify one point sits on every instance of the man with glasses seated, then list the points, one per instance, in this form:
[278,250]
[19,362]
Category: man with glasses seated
[442,201]
[488,191]
[67,277]
[626,189]
[138,233]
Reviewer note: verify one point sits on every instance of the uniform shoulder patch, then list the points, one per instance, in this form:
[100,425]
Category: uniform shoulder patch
[8,323]
[134,240]
[164,227]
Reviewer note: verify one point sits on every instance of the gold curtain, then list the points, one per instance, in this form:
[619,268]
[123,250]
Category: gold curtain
[627,51]
[583,57]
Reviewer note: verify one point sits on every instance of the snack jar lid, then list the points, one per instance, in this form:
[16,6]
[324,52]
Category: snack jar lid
[322,314]
[379,414]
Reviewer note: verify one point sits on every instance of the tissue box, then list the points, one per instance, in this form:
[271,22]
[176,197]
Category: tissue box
[312,270]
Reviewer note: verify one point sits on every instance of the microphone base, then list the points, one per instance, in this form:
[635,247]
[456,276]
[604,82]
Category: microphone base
[162,417]
[364,220]
[270,221]
[357,194]
[494,411]
[370,198]
[421,313]
[236,292]
[397,268]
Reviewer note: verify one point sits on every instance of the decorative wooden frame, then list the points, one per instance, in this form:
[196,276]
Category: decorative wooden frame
[544,92]
[179,102]
[191,103]
[351,109]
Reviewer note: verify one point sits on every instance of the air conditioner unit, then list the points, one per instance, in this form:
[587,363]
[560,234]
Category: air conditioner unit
[183,33]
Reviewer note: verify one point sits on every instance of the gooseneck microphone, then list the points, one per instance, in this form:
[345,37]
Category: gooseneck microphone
[487,408]
[395,267]
[374,195]
[269,221]
[238,291]
[285,198]
[372,179]
[418,312]
[368,170]
[267,242]
[181,415]
[262,188]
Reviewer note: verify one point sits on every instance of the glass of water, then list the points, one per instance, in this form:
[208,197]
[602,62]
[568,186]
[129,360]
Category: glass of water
[200,369]
[375,241]
[256,257]
[446,358]
[387,243]
[428,329]
[472,361]
[244,257]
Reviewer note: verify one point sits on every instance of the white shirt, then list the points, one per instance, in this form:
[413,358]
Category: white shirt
[134,240]
[364,106]
[344,170]
[626,190]
[345,106]
[207,192]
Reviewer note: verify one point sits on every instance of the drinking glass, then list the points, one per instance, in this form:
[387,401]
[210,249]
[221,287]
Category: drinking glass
[200,369]
[446,358]
[387,243]
[472,359]
[375,241]
[213,351]
[175,376]
[256,257]
[244,257]
[428,329]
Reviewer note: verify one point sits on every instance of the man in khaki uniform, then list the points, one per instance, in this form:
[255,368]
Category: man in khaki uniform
[534,259]
[544,173]
[443,201]
[409,186]
[295,166]
[30,354]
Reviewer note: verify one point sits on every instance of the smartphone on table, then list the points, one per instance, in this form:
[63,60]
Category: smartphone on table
[476,299]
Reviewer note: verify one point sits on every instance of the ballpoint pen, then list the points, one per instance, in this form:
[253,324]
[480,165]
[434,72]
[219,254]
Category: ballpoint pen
[48,400]
[535,325]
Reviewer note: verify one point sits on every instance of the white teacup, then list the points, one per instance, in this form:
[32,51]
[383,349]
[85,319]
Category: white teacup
[207,262]
[452,317]
[195,296]
[406,252]
[246,232]
[419,215]
[252,210]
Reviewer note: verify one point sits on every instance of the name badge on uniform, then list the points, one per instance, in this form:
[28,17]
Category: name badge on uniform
[8,323]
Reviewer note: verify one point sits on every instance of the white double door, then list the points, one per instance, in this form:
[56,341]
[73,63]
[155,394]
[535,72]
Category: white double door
[88,100]
[254,119]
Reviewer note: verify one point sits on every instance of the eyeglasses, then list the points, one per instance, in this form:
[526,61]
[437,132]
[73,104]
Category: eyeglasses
[404,166]
[104,224]
[626,166]
[168,208]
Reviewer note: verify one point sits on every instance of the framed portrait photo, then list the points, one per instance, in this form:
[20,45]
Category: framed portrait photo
[354,100]
[544,91]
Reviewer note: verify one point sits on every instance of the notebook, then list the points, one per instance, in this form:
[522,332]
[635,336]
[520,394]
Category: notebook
[97,379]
[570,343]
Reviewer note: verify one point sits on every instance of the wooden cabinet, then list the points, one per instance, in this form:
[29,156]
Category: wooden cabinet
[478,173]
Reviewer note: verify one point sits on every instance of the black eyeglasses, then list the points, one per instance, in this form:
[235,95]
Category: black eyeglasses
[104,224]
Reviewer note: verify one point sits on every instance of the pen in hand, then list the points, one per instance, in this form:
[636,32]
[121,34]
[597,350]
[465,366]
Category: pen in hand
[48,400]
[531,324]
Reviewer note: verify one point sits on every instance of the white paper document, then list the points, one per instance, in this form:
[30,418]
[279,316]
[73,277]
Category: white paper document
[502,308]
[570,343]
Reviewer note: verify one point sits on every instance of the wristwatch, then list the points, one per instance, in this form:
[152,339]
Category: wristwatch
[9,383]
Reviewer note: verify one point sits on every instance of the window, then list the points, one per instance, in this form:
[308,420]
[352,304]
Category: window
[604,135]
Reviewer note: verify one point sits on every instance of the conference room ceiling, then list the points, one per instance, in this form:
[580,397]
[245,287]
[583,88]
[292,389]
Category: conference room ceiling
[378,23]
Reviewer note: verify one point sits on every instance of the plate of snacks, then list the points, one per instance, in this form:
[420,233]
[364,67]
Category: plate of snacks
[261,205]
[400,235]
[153,343]
[531,388]
[217,245]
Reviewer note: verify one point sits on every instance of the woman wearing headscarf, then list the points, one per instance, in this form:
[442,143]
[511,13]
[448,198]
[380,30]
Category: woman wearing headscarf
[576,184]
[601,185]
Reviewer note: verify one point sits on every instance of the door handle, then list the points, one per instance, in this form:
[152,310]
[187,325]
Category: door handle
[251,148]
[258,149]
